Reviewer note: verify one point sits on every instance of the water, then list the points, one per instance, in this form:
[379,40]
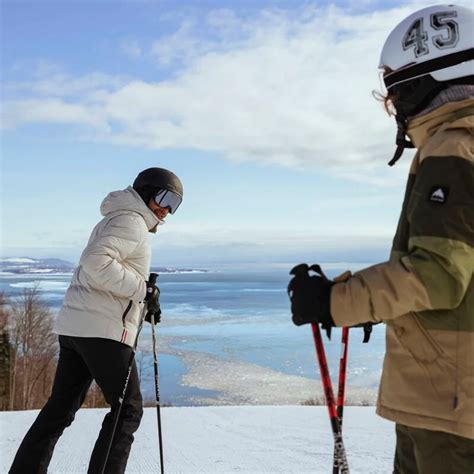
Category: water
[233,316]
[172,392]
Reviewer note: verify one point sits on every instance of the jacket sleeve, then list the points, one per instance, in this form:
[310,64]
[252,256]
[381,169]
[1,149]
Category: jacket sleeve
[102,258]
[436,268]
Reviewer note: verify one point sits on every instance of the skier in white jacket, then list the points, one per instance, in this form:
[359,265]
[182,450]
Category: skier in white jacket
[97,324]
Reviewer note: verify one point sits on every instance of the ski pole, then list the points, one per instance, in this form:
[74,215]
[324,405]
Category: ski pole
[342,385]
[152,279]
[157,392]
[340,461]
[342,373]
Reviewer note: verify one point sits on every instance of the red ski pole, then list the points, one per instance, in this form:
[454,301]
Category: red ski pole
[342,384]
[342,373]
[340,459]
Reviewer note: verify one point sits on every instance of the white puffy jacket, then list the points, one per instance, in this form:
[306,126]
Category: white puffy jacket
[106,292]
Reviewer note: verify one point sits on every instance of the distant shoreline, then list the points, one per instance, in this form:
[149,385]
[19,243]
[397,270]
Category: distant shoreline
[28,266]
[52,272]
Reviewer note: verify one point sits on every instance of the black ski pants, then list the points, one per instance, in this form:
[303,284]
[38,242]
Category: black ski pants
[82,359]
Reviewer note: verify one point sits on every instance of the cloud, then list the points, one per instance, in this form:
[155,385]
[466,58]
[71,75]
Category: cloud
[223,245]
[51,81]
[49,111]
[230,245]
[131,48]
[181,45]
[291,88]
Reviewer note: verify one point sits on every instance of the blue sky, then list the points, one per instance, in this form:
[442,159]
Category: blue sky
[264,109]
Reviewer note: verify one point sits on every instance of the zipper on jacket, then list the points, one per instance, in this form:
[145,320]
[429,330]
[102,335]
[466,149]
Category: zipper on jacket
[127,309]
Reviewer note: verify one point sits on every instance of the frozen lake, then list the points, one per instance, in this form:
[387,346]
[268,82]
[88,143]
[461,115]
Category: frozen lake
[227,338]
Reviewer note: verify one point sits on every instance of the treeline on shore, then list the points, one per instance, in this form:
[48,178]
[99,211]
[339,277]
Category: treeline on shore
[28,353]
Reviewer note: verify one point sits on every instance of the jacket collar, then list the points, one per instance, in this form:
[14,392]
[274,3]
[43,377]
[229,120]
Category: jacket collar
[451,115]
[150,219]
[129,200]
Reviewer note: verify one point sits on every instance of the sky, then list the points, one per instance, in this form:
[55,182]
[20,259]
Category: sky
[264,109]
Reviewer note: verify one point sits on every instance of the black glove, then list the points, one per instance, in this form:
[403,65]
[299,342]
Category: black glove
[152,301]
[310,297]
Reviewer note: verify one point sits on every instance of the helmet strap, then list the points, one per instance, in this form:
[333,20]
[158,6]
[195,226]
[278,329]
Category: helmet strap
[401,141]
[412,98]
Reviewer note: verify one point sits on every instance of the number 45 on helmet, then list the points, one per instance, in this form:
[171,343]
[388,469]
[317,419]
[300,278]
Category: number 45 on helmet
[427,52]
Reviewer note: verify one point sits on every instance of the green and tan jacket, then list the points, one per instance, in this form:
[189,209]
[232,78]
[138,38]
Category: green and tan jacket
[425,292]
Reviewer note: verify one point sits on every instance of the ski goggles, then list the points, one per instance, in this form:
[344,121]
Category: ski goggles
[168,199]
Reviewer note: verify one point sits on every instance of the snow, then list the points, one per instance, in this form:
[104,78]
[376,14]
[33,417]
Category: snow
[18,260]
[184,272]
[43,285]
[41,270]
[237,382]
[243,383]
[244,439]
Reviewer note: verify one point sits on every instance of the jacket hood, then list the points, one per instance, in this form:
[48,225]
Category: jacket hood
[451,115]
[129,200]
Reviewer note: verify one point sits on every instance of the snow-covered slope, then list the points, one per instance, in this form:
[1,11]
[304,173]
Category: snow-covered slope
[244,439]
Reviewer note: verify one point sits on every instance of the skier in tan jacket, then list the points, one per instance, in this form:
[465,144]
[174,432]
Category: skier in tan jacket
[98,322]
[425,292]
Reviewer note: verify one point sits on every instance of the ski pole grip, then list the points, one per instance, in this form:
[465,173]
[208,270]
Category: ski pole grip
[152,278]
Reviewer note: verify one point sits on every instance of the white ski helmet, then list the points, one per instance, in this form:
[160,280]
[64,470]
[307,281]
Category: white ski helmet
[427,52]
[437,40]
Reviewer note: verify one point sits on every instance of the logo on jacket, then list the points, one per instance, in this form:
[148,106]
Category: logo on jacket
[439,194]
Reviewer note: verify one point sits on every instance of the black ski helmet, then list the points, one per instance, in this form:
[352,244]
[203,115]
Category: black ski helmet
[150,181]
